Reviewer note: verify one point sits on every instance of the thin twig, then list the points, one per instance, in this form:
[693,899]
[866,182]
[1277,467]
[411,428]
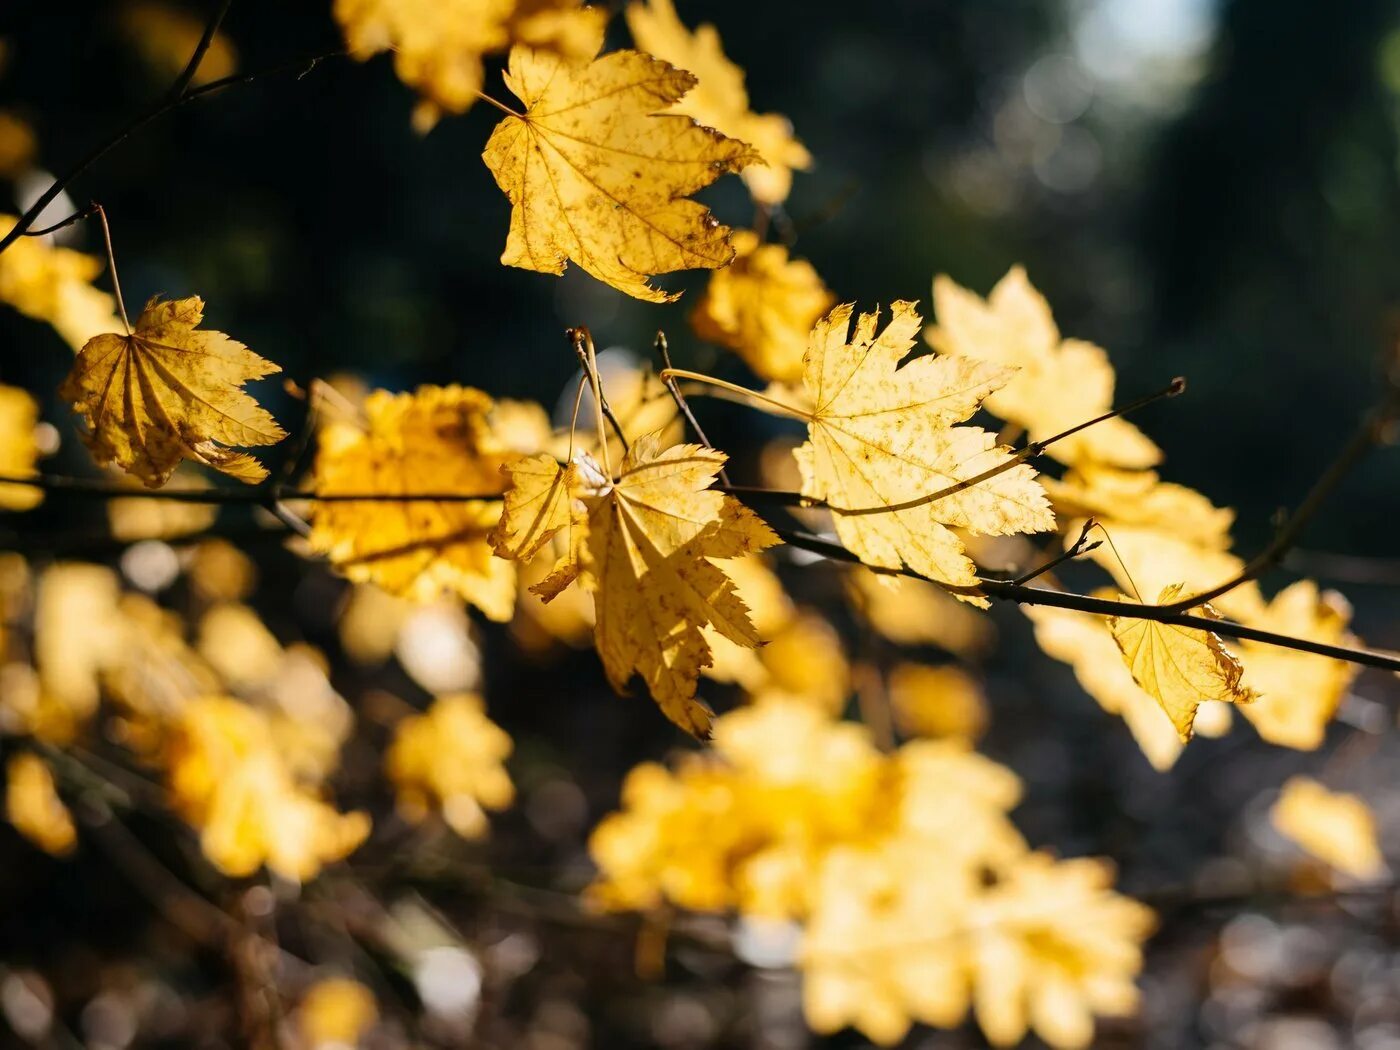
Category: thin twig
[211,30]
[165,105]
[1369,433]
[582,340]
[1078,547]
[669,379]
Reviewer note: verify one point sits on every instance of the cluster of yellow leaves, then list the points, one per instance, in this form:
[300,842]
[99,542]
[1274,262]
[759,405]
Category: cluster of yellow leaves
[436,441]
[168,391]
[884,453]
[644,545]
[438,45]
[451,758]
[54,285]
[1167,542]
[763,306]
[719,99]
[1336,828]
[243,730]
[229,779]
[598,170]
[917,896]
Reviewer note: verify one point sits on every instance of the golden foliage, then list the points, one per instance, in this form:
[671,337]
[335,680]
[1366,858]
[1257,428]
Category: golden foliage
[1058,383]
[599,170]
[882,442]
[451,758]
[1336,828]
[438,45]
[1180,666]
[19,415]
[762,306]
[651,537]
[32,805]
[915,612]
[435,441]
[167,392]
[54,285]
[228,779]
[719,99]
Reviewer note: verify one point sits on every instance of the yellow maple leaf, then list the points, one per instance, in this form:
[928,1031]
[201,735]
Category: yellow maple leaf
[762,306]
[19,414]
[915,612]
[882,442]
[451,758]
[1180,666]
[1060,383]
[539,504]
[651,537]
[598,170]
[32,805]
[1336,828]
[167,392]
[720,100]
[438,45]
[435,441]
[1141,498]
[1298,692]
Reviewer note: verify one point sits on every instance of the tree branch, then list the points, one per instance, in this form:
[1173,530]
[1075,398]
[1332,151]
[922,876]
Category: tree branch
[1025,595]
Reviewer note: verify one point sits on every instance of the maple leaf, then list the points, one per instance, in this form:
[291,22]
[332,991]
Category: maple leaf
[1061,383]
[1336,828]
[438,440]
[168,391]
[762,306]
[539,504]
[1298,692]
[598,171]
[438,45]
[881,441]
[1180,666]
[720,100]
[650,537]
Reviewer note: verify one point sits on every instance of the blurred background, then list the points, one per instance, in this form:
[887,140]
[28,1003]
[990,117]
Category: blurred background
[1207,188]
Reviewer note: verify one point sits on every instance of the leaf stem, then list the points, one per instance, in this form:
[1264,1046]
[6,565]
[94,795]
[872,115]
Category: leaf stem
[112,263]
[753,397]
[669,379]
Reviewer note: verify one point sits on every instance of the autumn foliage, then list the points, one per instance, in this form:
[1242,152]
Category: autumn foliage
[872,834]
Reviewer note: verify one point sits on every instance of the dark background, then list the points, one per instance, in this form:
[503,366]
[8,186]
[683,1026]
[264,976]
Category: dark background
[1206,189]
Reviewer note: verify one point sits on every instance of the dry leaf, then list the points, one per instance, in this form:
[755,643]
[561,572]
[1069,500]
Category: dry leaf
[1059,383]
[651,536]
[720,100]
[1336,828]
[598,170]
[539,504]
[762,306]
[1180,666]
[438,44]
[167,392]
[881,441]
[436,441]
